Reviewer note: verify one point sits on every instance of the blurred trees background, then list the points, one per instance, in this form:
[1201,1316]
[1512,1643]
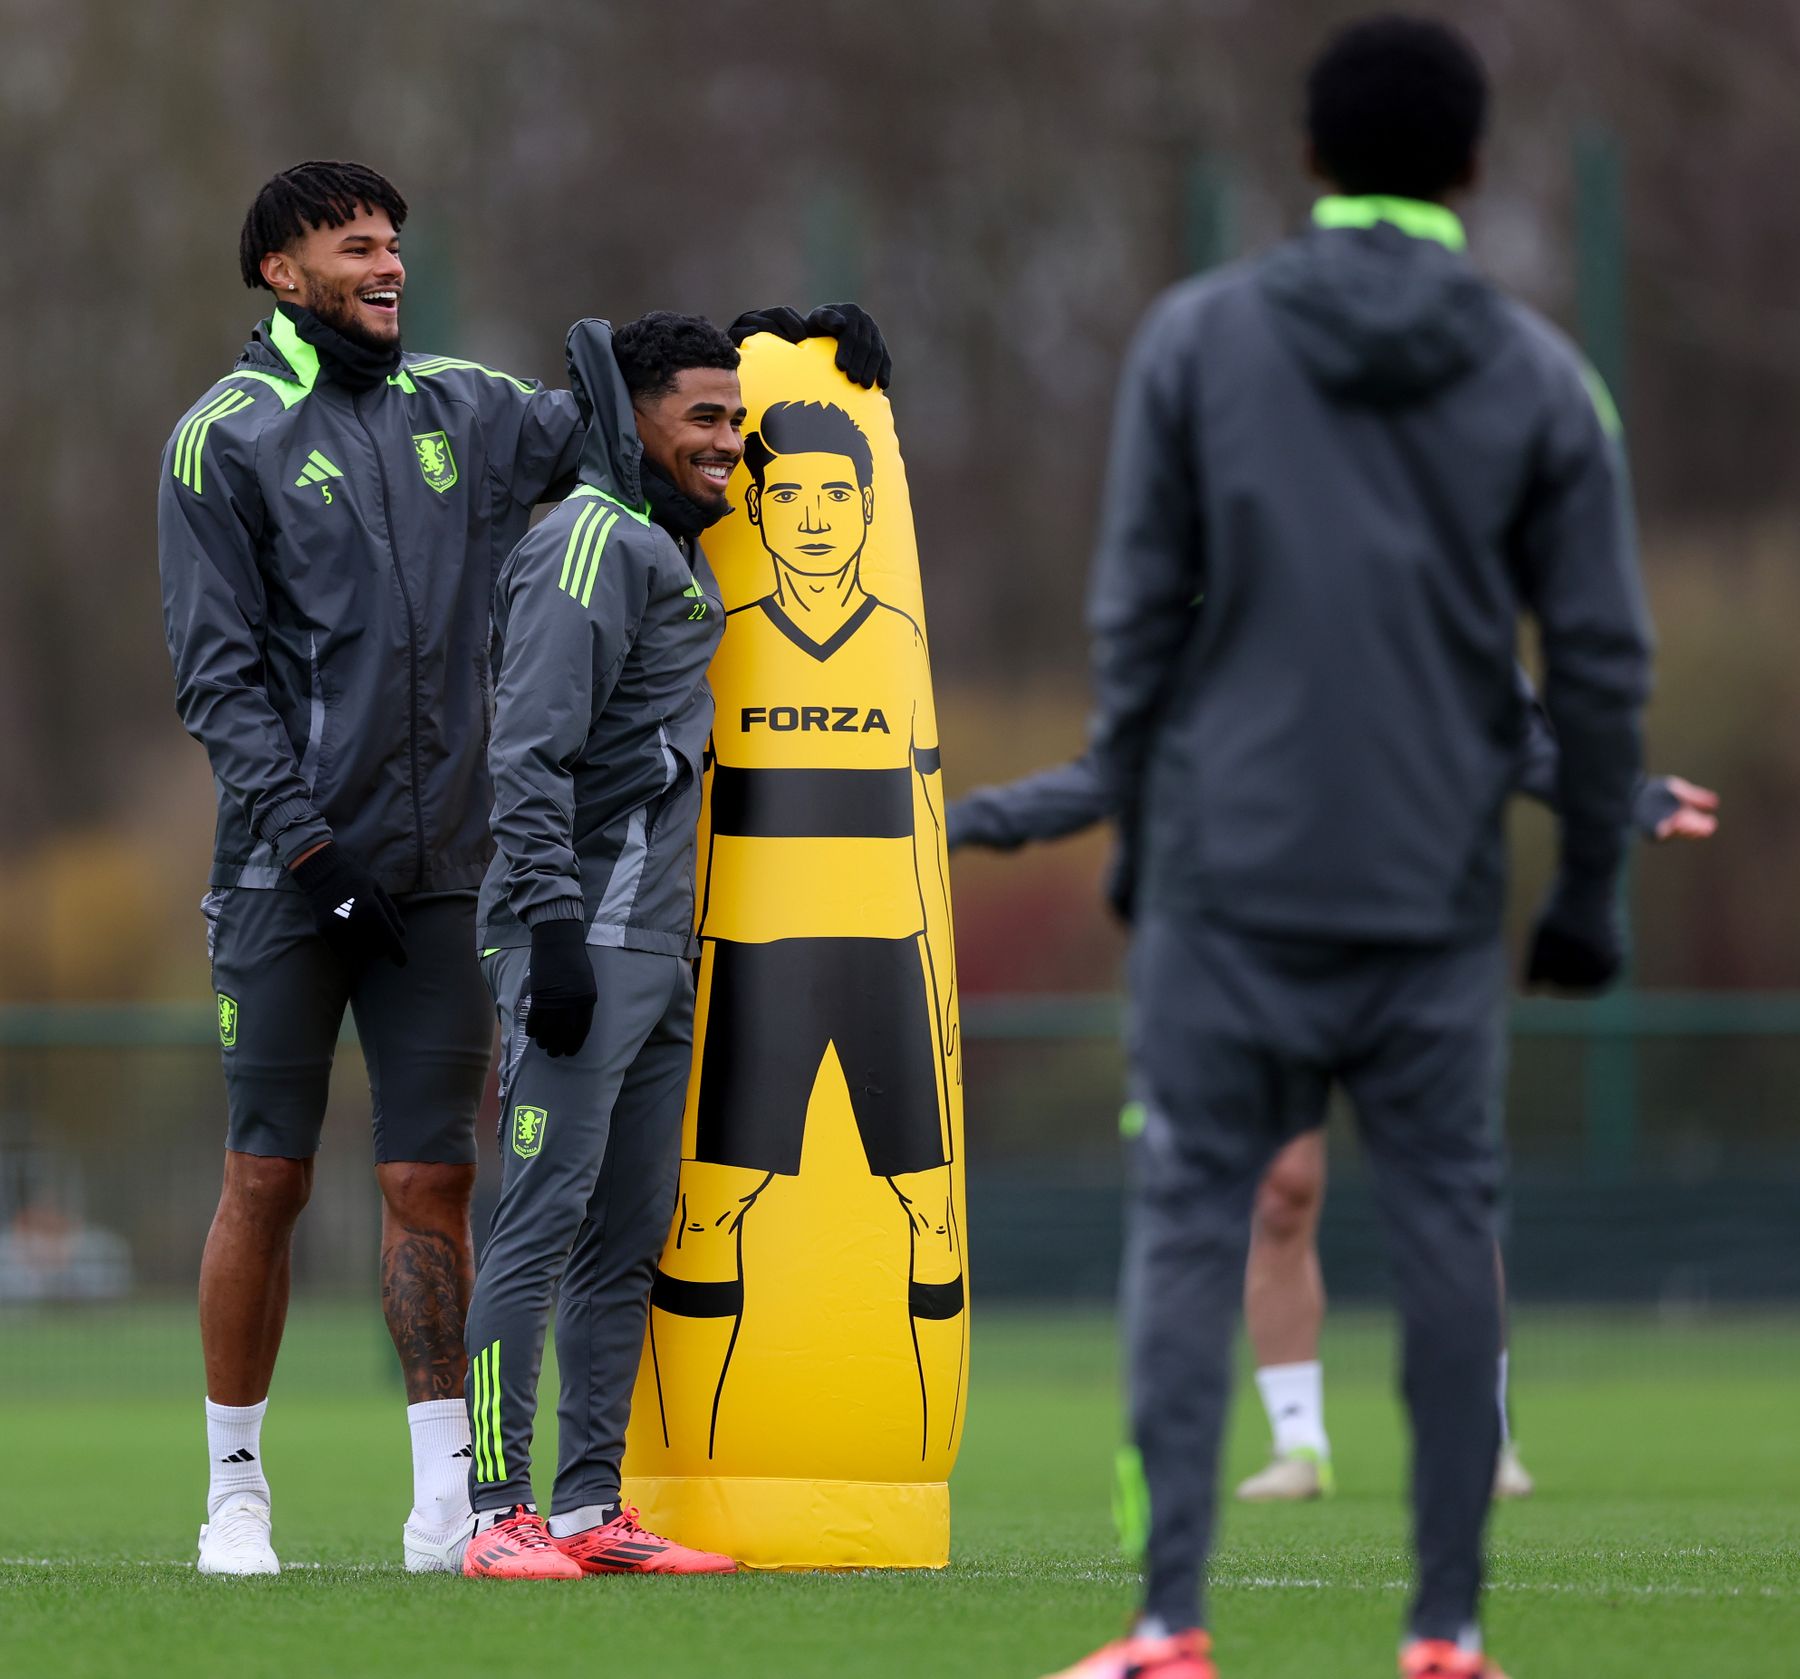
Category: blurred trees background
[1005,184]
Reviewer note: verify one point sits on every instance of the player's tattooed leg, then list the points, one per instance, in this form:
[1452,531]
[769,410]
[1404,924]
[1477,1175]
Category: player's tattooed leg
[427,1273]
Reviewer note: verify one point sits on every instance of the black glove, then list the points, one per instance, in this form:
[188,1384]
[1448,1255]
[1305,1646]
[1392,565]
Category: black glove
[1653,804]
[354,916]
[862,353]
[781,320]
[1577,945]
[560,985]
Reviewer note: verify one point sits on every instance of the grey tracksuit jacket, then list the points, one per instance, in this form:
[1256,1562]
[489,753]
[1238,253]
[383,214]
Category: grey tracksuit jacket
[606,625]
[328,558]
[1367,463]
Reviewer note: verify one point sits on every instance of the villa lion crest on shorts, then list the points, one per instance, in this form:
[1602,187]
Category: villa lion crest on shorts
[228,1019]
[528,1130]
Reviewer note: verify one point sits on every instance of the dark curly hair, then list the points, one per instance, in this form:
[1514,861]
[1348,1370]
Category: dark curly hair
[652,350]
[800,428]
[309,195]
[1396,105]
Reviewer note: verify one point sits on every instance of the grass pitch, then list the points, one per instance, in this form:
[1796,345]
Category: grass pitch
[1665,1538]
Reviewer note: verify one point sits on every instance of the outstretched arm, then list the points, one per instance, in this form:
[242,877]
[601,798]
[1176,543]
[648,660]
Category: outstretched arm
[1050,804]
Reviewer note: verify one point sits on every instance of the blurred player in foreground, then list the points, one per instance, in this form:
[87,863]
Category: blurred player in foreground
[1284,1289]
[1367,463]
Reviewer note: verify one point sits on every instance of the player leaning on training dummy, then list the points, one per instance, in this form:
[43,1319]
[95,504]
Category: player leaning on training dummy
[329,520]
[1368,463]
[330,517]
[607,616]
[1284,1291]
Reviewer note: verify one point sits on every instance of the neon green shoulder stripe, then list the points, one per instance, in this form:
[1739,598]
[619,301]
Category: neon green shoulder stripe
[190,440]
[641,514]
[289,392]
[429,365]
[582,520]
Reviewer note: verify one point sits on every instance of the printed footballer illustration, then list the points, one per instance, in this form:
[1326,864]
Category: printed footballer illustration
[809,1324]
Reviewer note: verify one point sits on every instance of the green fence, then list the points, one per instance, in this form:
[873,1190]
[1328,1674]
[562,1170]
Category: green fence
[1656,1158]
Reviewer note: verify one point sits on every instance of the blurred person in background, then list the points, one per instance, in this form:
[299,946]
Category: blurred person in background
[1284,1288]
[1367,463]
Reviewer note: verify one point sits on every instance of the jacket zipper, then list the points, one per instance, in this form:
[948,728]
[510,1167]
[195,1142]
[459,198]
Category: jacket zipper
[412,644]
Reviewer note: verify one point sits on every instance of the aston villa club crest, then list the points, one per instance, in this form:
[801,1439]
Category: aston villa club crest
[435,459]
[528,1131]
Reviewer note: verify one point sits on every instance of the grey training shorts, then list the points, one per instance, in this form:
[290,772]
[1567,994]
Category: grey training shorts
[427,1030]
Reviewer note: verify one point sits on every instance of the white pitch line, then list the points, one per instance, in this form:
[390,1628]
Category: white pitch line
[170,1562]
[1097,1576]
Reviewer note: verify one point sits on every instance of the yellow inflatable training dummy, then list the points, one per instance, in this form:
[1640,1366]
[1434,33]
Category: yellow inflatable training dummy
[802,1391]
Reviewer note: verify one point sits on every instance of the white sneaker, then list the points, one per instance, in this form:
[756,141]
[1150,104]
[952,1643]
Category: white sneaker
[1511,1478]
[1290,1479]
[435,1550]
[236,1540]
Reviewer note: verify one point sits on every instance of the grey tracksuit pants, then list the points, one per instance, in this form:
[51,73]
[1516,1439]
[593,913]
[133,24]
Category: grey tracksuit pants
[1235,1043]
[590,1146]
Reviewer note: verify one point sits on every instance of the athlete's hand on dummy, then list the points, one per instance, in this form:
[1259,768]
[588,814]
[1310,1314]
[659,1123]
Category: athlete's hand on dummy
[1667,807]
[1578,945]
[354,916]
[862,353]
[560,986]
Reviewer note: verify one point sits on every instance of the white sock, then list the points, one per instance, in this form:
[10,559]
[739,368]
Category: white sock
[484,1519]
[1500,1395]
[1294,1397]
[566,1522]
[234,1448]
[440,1454]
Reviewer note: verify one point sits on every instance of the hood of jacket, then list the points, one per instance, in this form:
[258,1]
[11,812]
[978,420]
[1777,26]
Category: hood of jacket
[612,453]
[1378,302]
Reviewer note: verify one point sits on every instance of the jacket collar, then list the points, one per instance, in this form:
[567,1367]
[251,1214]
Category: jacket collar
[681,516]
[1417,218]
[280,357]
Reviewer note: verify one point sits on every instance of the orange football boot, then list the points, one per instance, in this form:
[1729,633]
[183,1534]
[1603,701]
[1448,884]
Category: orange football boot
[518,1547]
[1186,1655]
[622,1547]
[1438,1658]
